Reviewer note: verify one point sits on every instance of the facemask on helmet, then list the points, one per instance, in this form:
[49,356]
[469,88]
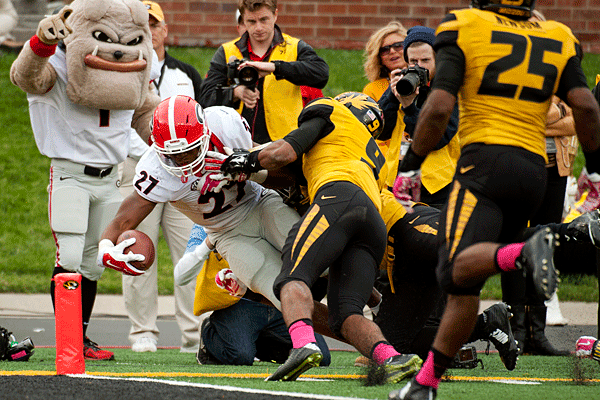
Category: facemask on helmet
[178,127]
[515,9]
[365,109]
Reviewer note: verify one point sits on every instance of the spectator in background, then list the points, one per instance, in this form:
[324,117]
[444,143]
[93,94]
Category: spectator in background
[8,22]
[384,54]
[308,93]
[438,169]
[141,292]
[284,64]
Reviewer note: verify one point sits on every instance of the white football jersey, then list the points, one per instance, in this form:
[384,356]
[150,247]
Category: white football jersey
[213,211]
[84,135]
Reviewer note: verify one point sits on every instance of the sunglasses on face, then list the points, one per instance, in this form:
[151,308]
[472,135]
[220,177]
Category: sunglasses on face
[385,50]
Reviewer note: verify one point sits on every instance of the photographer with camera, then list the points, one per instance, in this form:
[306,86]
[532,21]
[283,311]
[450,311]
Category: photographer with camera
[409,88]
[272,103]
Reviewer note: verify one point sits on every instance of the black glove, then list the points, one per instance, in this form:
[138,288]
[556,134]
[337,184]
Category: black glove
[241,161]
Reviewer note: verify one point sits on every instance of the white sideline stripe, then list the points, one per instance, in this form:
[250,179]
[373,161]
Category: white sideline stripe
[225,388]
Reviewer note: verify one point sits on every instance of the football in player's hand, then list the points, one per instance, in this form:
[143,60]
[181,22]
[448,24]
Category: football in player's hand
[143,245]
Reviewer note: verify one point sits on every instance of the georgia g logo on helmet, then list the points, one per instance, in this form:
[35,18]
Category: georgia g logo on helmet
[178,128]
[365,109]
[515,9]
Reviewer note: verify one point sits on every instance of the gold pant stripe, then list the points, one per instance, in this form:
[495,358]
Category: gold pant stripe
[426,229]
[312,212]
[450,212]
[317,231]
[466,210]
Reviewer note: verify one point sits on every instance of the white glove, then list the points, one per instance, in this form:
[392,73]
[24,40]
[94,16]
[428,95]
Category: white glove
[213,161]
[226,279]
[190,265]
[112,256]
[54,28]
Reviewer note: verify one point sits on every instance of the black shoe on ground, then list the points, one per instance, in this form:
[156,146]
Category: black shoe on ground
[299,361]
[537,259]
[401,366]
[586,228]
[413,391]
[203,356]
[498,330]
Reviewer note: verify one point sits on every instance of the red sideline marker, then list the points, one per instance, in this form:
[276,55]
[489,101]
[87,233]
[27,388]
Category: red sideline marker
[69,330]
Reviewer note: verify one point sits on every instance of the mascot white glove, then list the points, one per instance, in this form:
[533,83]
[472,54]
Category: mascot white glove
[190,265]
[226,279]
[112,256]
[54,28]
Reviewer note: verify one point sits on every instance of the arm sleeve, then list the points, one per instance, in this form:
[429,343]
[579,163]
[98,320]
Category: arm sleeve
[390,105]
[450,69]
[308,70]
[307,134]
[572,76]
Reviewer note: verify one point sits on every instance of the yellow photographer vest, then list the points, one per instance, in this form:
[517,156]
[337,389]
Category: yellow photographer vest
[282,99]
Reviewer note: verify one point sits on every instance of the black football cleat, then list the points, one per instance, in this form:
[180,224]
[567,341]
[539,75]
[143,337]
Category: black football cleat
[299,361]
[537,260]
[413,390]
[586,228]
[498,330]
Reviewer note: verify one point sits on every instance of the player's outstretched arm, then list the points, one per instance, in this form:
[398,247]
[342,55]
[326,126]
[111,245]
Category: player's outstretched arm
[132,211]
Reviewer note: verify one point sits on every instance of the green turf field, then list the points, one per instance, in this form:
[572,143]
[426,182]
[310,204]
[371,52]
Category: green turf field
[535,377]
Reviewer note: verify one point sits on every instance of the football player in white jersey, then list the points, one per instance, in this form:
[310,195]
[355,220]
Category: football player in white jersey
[246,223]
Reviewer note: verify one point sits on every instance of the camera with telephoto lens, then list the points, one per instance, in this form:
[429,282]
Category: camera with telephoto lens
[414,77]
[247,76]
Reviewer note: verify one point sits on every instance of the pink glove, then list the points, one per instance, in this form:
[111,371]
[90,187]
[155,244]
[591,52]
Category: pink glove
[226,279]
[212,183]
[584,346]
[112,256]
[591,182]
[407,188]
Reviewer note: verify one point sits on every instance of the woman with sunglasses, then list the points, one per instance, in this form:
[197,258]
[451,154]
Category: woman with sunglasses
[384,53]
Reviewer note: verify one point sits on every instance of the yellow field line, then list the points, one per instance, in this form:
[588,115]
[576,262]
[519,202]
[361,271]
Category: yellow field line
[256,376]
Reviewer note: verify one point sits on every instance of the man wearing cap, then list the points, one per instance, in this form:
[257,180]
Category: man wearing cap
[438,169]
[141,292]
[284,64]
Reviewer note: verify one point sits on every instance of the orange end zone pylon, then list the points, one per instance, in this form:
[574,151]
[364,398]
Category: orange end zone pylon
[69,329]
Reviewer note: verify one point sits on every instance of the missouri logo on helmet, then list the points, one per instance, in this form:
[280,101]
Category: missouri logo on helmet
[365,109]
[515,9]
[179,128]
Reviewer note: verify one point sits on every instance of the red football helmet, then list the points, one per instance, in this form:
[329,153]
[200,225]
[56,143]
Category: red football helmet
[178,126]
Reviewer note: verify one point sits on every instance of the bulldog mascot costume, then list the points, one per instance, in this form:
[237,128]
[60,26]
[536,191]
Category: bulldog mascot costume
[86,73]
